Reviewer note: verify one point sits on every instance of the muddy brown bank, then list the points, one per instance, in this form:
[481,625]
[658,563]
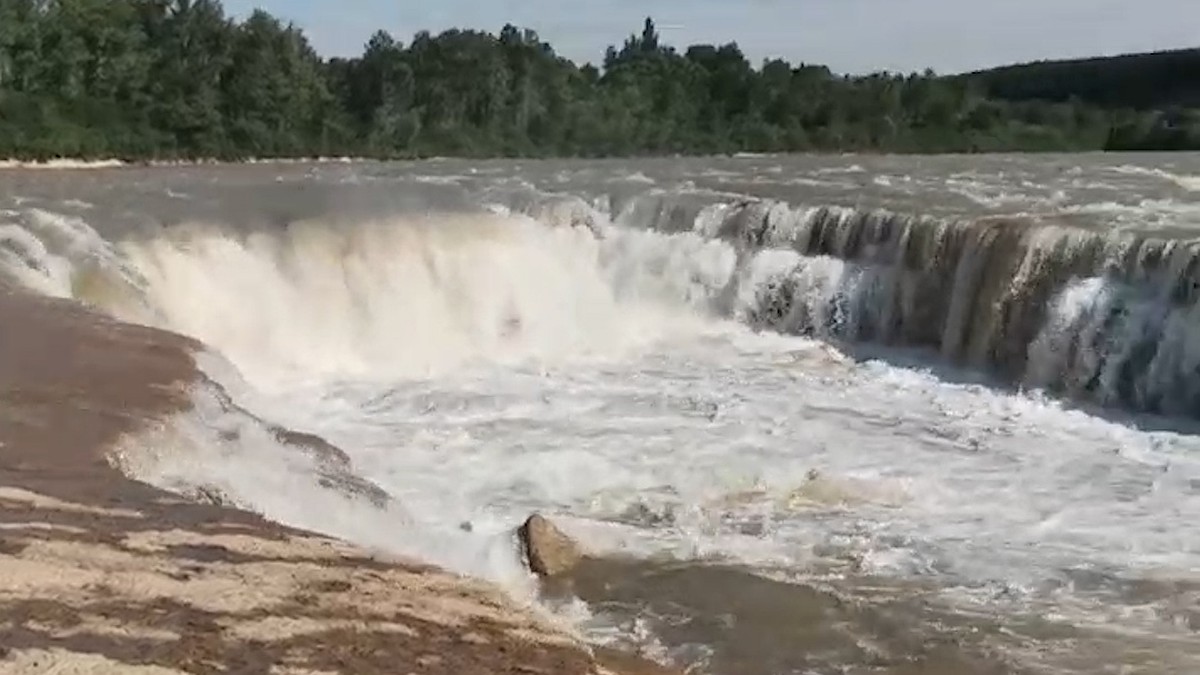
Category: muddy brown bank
[101,574]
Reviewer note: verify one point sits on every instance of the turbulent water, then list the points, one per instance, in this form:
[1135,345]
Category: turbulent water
[816,415]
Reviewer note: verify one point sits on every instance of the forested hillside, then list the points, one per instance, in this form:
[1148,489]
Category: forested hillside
[1153,99]
[1143,81]
[181,79]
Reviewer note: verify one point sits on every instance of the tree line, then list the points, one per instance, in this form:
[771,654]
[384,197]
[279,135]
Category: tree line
[180,79]
[1140,81]
[1154,98]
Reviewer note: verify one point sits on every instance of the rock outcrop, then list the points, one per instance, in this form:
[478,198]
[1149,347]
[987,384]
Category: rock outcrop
[102,574]
[548,551]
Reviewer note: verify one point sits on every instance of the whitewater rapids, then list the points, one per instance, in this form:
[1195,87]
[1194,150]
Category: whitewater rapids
[674,394]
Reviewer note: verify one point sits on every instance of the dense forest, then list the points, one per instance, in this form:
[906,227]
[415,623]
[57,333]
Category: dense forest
[1141,81]
[164,79]
[1155,96]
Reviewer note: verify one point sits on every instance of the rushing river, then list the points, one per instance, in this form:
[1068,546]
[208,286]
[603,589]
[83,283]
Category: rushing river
[812,415]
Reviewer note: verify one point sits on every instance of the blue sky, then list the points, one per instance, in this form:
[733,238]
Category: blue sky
[848,35]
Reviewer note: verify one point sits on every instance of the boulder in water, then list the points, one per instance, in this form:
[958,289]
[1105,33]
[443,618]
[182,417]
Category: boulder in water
[548,550]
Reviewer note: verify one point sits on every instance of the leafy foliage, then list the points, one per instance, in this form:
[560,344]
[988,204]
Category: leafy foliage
[1151,97]
[1141,81]
[179,79]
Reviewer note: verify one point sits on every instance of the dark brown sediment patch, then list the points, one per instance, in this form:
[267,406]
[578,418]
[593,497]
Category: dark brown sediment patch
[102,572]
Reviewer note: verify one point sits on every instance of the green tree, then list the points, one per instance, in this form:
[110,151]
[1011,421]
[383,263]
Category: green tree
[178,78]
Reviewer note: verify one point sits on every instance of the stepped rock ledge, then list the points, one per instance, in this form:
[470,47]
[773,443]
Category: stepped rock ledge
[101,574]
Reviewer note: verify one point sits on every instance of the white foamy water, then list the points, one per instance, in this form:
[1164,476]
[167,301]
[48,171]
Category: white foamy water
[481,374]
[479,367]
[1188,182]
[386,300]
[994,493]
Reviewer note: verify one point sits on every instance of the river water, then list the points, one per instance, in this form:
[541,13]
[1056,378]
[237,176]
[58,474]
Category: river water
[813,415]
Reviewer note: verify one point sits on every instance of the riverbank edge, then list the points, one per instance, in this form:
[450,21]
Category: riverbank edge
[79,164]
[76,163]
[103,574]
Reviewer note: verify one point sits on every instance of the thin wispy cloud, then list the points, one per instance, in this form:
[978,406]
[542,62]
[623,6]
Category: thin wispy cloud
[848,35]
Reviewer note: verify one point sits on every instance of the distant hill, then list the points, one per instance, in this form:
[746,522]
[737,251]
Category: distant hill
[1157,80]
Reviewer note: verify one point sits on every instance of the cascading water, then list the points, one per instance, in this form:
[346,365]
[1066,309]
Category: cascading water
[406,298]
[643,369]
[982,293]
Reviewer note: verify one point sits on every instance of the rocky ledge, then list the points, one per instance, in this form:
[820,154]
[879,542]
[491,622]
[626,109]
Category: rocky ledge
[100,574]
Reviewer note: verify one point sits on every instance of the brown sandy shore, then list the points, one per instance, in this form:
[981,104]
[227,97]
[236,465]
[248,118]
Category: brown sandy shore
[101,574]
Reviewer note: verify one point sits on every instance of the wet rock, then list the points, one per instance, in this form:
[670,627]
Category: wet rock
[354,487]
[626,663]
[333,466]
[548,550]
[207,494]
[312,445]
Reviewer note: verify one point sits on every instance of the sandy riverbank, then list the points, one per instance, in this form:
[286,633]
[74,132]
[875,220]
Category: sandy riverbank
[101,574]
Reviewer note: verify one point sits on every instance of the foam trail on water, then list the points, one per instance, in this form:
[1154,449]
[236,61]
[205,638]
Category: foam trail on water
[1188,182]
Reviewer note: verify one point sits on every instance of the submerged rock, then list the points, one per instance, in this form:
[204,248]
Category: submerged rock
[312,445]
[208,494]
[353,487]
[548,550]
[643,515]
[333,466]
